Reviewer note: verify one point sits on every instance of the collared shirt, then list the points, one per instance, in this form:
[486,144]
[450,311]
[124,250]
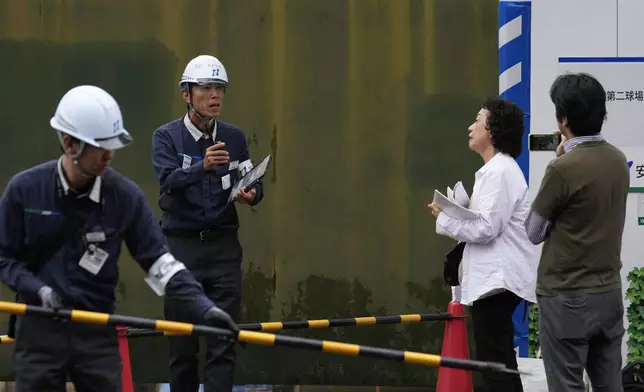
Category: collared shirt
[196,132]
[537,226]
[571,143]
[94,195]
[498,255]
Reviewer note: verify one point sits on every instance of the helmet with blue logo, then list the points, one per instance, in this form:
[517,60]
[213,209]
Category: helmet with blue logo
[204,69]
[91,115]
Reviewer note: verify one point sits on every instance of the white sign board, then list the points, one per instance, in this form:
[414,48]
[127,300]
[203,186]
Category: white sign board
[624,83]
[604,40]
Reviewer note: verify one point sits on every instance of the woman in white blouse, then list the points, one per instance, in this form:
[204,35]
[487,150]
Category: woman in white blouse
[499,263]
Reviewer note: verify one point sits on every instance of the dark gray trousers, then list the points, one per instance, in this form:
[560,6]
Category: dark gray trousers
[48,353]
[216,264]
[582,332]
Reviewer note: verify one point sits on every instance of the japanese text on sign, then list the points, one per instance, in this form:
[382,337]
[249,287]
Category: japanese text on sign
[631,95]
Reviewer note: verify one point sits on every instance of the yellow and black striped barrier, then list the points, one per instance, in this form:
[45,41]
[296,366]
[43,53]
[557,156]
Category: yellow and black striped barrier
[324,323]
[260,338]
[347,322]
[4,339]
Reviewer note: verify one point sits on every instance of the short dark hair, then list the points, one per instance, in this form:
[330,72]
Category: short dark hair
[581,99]
[505,122]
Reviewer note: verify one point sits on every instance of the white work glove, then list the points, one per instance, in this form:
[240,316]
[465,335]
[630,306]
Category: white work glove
[49,298]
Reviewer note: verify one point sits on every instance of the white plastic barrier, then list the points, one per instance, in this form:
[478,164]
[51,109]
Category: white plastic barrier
[536,381]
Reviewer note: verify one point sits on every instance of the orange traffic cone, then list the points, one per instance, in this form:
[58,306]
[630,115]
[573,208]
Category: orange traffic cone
[455,346]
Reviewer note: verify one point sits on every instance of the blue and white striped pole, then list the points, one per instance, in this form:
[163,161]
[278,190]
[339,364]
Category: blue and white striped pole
[514,85]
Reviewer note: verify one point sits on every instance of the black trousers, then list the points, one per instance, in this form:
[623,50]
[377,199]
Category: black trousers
[48,353]
[494,339]
[216,264]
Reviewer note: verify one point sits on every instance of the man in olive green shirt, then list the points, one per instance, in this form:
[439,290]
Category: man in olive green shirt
[579,212]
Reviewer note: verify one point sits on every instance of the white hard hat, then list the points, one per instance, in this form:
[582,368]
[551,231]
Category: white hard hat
[204,69]
[93,116]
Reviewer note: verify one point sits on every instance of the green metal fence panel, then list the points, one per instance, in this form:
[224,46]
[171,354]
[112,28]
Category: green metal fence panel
[364,105]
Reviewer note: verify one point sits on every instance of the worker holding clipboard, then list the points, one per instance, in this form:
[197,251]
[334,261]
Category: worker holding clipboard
[204,171]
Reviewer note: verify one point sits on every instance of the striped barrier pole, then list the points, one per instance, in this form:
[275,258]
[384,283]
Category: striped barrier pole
[4,339]
[323,323]
[259,338]
[310,324]
[347,322]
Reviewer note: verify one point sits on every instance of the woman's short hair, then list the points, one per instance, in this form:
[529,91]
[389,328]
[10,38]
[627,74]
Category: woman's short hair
[505,122]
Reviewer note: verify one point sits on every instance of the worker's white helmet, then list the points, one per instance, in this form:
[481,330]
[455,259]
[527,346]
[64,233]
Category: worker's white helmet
[204,69]
[93,116]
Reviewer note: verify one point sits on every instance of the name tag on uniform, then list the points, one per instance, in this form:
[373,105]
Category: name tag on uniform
[245,167]
[187,161]
[233,165]
[97,236]
[225,182]
[93,260]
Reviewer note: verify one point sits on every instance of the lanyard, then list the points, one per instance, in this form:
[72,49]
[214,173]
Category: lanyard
[78,217]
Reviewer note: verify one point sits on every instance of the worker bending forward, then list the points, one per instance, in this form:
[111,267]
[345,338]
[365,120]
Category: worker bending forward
[61,228]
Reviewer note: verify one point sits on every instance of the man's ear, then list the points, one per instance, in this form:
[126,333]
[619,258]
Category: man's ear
[564,121]
[71,145]
[185,95]
[68,146]
[565,129]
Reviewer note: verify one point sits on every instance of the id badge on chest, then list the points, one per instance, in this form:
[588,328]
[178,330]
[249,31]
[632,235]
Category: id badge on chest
[93,259]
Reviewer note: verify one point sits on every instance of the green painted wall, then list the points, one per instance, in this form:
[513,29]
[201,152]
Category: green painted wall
[365,105]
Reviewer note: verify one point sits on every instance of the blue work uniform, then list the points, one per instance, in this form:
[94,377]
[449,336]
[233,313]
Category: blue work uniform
[46,228]
[201,227]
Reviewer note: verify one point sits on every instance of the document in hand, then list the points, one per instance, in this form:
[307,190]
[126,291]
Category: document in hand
[250,178]
[455,203]
[459,195]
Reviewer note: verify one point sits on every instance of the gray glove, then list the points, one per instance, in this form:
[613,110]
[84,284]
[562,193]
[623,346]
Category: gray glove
[218,318]
[49,298]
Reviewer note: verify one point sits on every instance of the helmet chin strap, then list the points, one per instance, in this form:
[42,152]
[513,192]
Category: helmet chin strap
[205,120]
[75,157]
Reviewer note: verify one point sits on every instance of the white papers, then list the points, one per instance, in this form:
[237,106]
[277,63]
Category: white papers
[250,178]
[460,195]
[455,203]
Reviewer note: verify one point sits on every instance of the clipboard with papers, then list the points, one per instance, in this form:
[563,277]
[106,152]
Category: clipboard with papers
[455,203]
[250,178]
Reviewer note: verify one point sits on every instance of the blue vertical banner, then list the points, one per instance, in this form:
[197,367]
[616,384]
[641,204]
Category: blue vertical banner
[514,85]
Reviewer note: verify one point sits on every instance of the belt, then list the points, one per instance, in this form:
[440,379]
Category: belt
[204,235]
